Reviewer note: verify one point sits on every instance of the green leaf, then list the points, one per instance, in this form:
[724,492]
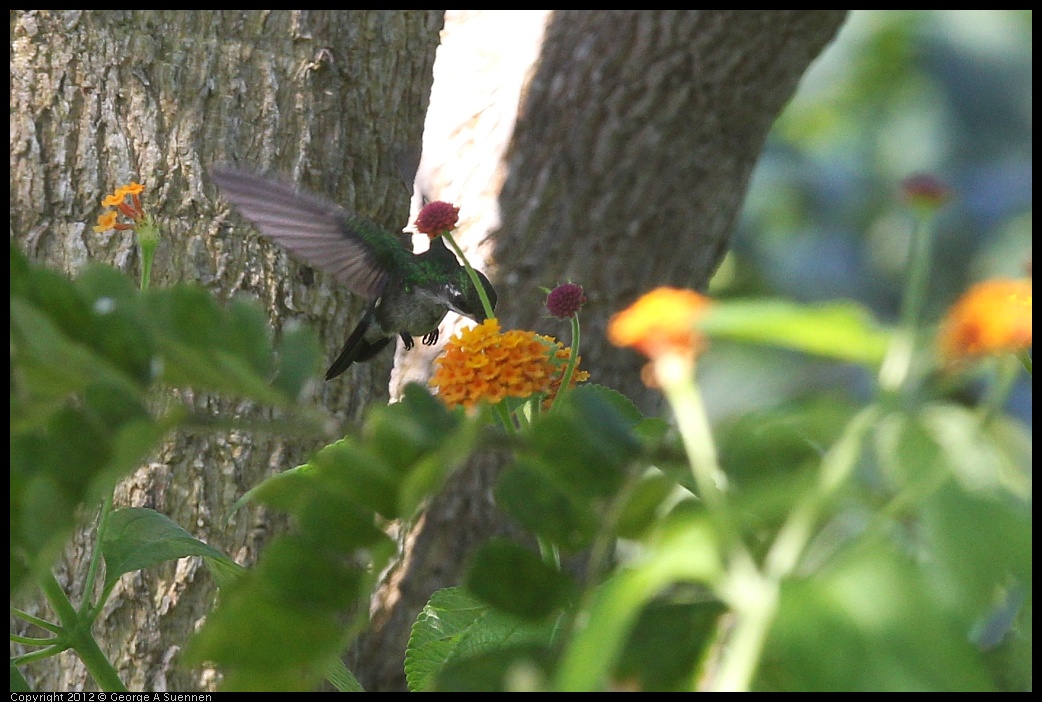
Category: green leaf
[515,580]
[644,504]
[360,474]
[249,336]
[405,431]
[980,543]
[667,642]
[995,458]
[18,681]
[844,330]
[683,550]
[263,643]
[199,347]
[588,441]
[530,495]
[454,626]
[225,571]
[54,364]
[343,679]
[589,393]
[451,451]
[299,355]
[284,491]
[871,621]
[137,538]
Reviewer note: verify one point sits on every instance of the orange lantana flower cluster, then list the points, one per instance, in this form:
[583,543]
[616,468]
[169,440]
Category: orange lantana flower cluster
[661,323]
[482,363]
[991,317]
[131,210]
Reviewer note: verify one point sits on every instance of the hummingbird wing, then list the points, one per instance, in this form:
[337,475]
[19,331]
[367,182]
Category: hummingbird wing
[358,252]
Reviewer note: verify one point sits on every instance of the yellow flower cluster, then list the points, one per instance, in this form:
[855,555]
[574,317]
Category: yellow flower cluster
[991,317]
[482,363]
[132,210]
[661,323]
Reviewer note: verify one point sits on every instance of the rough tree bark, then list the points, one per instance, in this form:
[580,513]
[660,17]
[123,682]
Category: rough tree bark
[102,98]
[612,149]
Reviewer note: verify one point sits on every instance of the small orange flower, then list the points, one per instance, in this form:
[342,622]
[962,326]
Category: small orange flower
[482,363]
[132,210]
[106,221]
[990,318]
[660,323]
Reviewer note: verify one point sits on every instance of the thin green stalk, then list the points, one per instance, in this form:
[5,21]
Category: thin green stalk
[1025,360]
[998,391]
[836,467]
[95,557]
[33,640]
[755,604]
[147,240]
[686,400]
[895,371]
[36,621]
[77,635]
[503,414]
[489,312]
[573,359]
[40,655]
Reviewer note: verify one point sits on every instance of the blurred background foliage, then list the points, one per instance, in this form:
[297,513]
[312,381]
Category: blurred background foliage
[946,92]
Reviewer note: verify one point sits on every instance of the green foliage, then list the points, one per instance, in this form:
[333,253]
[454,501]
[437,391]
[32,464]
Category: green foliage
[913,551]
[86,356]
[285,622]
[136,538]
[455,630]
[840,330]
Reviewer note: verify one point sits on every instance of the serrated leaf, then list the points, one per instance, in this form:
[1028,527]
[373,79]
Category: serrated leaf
[454,626]
[343,679]
[622,405]
[137,538]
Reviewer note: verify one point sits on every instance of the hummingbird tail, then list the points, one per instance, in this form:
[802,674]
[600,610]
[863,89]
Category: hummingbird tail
[357,349]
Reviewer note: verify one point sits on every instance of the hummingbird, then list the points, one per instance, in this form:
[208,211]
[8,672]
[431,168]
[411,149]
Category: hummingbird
[409,294]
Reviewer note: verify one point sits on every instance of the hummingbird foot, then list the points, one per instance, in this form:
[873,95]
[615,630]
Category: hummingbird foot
[407,340]
[431,338]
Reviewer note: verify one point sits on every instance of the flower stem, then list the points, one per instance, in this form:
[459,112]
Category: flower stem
[77,634]
[677,379]
[489,312]
[95,557]
[573,359]
[896,367]
[147,240]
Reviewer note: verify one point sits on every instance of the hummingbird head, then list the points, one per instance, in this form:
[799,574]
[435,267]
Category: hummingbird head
[463,299]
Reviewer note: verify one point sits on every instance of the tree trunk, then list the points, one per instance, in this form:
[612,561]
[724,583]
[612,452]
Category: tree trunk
[100,98]
[611,149]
